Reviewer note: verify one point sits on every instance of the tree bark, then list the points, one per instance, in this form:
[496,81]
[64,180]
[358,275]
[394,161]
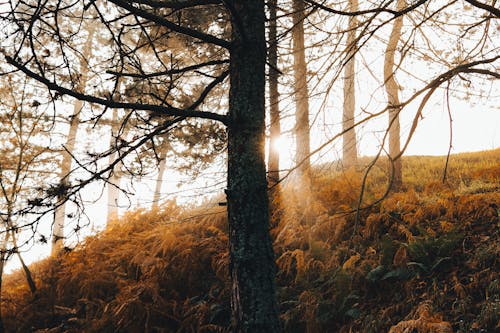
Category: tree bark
[59,213]
[252,265]
[349,148]
[392,89]
[273,163]
[301,93]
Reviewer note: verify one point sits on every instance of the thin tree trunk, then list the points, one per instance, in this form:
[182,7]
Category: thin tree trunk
[114,179]
[392,89]
[301,93]
[273,163]
[252,267]
[27,272]
[3,258]
[349,149]
[161,171]
[59,214]
[302,130]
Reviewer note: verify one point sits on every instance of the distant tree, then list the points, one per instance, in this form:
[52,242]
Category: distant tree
[349,144]
[393,102]
[301,92]
[113,184]
[273,163]
[188,149]
[69,146]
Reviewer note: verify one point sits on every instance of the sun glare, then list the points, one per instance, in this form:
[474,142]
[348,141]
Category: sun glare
[279,144]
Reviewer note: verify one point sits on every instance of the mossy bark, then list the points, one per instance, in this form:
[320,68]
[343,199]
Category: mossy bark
[252,264]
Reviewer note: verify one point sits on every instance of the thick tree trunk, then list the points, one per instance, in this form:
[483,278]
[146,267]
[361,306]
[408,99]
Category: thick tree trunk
[392,89]
[252,265]
[301,93]
[273,163]
[60,214]
[349,149]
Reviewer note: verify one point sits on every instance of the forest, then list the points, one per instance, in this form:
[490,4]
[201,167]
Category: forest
[249,166]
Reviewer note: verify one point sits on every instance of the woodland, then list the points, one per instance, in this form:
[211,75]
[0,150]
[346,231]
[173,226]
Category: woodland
[291,120]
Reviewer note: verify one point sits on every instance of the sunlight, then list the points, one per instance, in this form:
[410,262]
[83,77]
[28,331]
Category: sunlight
[280,144]
[285,146]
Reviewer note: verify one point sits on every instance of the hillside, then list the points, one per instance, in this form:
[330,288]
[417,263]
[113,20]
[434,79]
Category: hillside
[423,260]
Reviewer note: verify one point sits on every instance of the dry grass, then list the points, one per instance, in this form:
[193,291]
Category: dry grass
[423,260]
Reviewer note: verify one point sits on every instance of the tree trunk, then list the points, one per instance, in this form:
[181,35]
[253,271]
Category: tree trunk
[392,89]
[349,149]
[301,93]
[59,214]
[3,258]
[159,179]
[273,163]
[114,179]
[27,272]
[252,265]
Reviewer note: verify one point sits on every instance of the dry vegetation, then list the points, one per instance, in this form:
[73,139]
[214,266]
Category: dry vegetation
[424,260]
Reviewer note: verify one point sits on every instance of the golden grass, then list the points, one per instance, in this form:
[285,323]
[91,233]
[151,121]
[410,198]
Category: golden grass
[422,259]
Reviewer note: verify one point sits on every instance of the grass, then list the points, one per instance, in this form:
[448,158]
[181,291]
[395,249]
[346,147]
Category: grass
[425,259]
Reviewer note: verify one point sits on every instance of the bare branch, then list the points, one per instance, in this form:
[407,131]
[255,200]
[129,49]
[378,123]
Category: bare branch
[157,109]
[381,9]
[178,4]
[488,8]
[172,26]
[171,71]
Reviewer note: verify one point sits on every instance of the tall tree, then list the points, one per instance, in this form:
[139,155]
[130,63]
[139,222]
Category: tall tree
[392,90]
[349,143]
[302,131]
[252,266]
[252,263]
[273,162]
[162,165]
[69,146]
[114,179]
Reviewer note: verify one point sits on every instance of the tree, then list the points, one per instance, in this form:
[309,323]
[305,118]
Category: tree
[273,163]
[349,148]
[69,147]
[301,92]
[114,179]
[23,125]
[392,89]
[251,255]
[164,148]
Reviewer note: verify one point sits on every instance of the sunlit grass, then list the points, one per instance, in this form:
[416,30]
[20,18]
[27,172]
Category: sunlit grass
[427,255]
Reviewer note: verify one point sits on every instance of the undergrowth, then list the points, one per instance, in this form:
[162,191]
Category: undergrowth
[423,260]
